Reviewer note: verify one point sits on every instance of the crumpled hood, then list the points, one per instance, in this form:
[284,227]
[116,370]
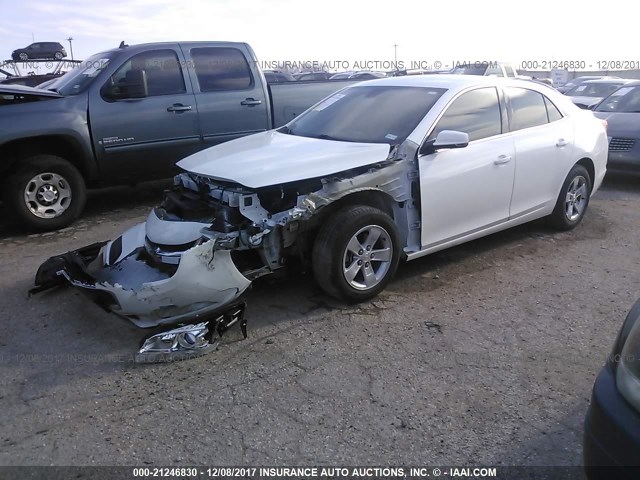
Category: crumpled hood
[624,125]
[271,158]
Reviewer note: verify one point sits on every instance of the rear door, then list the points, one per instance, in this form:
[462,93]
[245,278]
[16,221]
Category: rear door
[145,137]
[230,94]
[543,141]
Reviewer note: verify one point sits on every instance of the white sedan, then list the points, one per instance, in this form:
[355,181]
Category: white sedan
[381,171]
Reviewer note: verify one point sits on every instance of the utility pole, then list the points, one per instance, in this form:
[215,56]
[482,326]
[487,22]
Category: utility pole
[70,39]
[395,54]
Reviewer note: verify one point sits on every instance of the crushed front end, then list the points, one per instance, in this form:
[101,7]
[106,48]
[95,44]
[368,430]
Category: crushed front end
[189,263]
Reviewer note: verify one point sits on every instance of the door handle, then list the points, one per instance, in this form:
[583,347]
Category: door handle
[561,143]
[178,107]
[250,102]
[502,159]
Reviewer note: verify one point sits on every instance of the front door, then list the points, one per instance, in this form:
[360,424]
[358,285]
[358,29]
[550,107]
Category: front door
[464,190]
[144,137]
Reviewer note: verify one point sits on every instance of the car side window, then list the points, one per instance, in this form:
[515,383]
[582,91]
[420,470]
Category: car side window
[476,113]
[553,114]
[528,108]
[220,69]
[162,69]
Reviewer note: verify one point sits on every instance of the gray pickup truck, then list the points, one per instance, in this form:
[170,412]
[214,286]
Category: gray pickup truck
[128,115]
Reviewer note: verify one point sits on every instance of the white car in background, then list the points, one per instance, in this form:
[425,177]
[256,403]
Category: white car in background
[591,92]
[379,172]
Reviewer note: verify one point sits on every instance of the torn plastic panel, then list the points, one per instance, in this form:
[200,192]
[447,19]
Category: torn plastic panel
[148,293]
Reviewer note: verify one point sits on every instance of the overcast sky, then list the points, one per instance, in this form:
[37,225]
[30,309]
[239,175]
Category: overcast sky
[289,30]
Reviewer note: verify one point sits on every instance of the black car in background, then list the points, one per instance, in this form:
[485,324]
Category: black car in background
[612,424]
[621,110]
[40,50]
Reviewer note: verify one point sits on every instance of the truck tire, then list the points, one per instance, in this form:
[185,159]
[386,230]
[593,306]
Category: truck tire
[356,253]
[45,193]
[573,199]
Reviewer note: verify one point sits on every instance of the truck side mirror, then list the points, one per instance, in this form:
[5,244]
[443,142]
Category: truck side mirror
[133,85]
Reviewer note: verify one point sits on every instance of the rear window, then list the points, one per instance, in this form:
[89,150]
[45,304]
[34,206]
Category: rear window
[528,108]
[219,69]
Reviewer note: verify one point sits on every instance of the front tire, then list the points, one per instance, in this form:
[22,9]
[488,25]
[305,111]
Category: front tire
[573,199]
[45,193]
[58,56]
[356,253]
[23,57]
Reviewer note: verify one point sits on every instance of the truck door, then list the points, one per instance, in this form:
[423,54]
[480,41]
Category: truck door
[144,118]
[230,94]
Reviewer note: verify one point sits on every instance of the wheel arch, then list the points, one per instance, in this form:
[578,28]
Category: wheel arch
[587,163]
[63,146]
[372,197]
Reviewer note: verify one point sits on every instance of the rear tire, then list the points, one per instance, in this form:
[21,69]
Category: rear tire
[356,253]
[45,193]
[58,56]
[573,199]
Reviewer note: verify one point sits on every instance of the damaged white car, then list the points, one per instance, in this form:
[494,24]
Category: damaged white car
[382,171]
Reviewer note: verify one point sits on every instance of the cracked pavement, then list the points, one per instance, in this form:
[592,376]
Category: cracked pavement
[482,354]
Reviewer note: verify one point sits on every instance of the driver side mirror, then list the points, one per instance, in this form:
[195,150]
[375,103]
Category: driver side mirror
[445,139]
[133,85]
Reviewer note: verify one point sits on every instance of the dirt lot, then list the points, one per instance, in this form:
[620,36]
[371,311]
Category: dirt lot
[482,354]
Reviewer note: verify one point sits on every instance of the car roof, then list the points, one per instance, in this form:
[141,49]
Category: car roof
[453,81]
[607,80]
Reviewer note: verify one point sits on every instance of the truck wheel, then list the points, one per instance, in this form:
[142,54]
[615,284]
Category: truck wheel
[573,200]
[45,193]
[356,253]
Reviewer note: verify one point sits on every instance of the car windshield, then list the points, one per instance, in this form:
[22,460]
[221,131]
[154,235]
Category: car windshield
[593,89]
[367,114]
[78,80]
[625,99]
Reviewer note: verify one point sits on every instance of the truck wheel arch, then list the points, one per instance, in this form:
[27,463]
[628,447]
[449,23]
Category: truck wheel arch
[64,146]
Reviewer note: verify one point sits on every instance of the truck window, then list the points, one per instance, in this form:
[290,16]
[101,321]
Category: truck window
[528,108]
[219,69]
[477,113]
[164,74]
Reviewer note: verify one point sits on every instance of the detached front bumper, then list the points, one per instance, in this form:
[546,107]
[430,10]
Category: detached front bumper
[124,278]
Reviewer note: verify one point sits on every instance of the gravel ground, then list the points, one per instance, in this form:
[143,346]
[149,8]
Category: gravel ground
[482,354]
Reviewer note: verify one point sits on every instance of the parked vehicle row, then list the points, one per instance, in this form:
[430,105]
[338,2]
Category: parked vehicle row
[590,92]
